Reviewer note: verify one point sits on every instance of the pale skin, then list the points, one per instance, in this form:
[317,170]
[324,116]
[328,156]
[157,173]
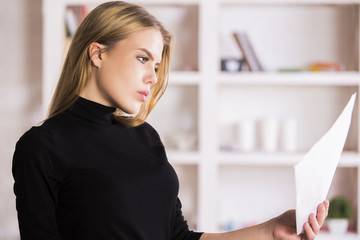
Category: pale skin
[122,78]
[282,227]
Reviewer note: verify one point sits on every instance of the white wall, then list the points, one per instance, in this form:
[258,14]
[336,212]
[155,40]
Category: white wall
[20,93]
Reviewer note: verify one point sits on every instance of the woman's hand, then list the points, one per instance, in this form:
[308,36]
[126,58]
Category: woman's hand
[285,224]
[282,227]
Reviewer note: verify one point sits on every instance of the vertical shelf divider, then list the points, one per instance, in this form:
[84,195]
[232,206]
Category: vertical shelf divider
[208,65]
[53,42]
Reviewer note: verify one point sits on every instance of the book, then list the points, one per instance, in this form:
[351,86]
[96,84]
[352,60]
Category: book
[248,52]
[73,17]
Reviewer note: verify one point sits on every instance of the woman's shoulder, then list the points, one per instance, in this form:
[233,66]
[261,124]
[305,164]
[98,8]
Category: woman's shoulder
[148,132]
[57,122]
[33,152]
[34,138]
[43,132]
[147,128]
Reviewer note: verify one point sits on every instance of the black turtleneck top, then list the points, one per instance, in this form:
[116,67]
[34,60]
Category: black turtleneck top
[82,176]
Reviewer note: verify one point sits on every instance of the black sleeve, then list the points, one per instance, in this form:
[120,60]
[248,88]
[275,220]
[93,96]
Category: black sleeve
[35,187]
[181,230]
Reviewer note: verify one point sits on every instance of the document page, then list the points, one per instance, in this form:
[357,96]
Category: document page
[314,173]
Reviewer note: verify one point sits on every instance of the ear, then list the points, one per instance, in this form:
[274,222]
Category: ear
[95,53]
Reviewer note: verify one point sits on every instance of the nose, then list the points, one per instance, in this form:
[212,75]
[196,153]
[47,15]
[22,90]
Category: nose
[151,77]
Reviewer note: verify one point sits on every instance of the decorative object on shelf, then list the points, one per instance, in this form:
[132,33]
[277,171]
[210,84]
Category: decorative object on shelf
[246,135]
[73,17]
[325,67]
[232,64]
[185,137]
[185,140]
[340,212]
[269,134]
[288,135]
[248,52]
[229,226]
[290,70]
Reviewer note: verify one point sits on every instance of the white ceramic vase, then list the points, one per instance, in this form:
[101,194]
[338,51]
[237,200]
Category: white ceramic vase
[338,226]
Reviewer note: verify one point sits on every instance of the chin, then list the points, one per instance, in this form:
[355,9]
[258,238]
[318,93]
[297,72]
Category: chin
[132,110]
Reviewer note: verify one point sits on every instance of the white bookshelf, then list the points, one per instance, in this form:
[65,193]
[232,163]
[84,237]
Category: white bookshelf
[288,2]
[350,159]
[206,98]
[184,78]
[183,158]
[291,79]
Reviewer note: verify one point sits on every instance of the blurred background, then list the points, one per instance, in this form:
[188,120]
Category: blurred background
[253,85]
[20,92]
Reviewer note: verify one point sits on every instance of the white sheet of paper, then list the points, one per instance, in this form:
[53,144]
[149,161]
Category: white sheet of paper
[314,173]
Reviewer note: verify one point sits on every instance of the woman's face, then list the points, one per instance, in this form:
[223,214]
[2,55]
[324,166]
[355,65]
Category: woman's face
[123,75]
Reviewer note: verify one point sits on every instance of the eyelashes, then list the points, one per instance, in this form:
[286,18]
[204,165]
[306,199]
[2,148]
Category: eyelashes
[144,60]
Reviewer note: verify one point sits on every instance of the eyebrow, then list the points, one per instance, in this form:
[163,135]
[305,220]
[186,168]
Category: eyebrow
[148,53]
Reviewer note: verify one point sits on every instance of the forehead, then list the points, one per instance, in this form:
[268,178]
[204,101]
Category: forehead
[150,39]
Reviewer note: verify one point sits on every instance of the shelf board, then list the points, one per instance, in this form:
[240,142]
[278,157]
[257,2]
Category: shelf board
[259,158]
[328,236]
[224,2]
[141,2]
[348,159]
[289,2]
[183,158]
[184,78]
[84,2]
[289,79]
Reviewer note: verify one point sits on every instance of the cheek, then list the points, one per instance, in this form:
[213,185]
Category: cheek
[110,76]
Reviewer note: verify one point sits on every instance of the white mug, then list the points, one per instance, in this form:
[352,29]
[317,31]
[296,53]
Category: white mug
[246,131]
[269,134]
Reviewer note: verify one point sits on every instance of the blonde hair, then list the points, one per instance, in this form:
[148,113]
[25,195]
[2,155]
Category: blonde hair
[107,24]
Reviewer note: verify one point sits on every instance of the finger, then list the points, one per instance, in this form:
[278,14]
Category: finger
[309,232]
[321,214]
[326,204]
[314,224]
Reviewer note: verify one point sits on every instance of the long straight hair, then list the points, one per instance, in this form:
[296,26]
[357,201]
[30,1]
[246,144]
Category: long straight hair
[107,24]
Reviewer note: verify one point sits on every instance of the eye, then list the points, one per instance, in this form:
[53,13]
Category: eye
[143,59]
[156,69]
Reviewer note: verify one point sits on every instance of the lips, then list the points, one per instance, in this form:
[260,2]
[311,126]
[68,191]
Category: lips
[143,95]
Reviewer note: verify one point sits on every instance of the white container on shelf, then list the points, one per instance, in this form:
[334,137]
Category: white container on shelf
[246,135]
[288,135]
[338,226]
[269,134]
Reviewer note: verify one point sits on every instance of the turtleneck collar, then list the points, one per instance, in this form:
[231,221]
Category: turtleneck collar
[92,111]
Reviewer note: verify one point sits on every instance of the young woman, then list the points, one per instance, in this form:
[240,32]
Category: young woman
[95,169]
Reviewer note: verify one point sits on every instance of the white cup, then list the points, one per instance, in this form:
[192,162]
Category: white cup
[246,135]
[289,135]
[269,134]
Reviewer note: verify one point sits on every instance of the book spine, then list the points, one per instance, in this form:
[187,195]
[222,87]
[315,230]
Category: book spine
[248,52]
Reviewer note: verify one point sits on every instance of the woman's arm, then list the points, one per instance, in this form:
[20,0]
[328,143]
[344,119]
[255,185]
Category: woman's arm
[261,231]
[282,227]
[35,187]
